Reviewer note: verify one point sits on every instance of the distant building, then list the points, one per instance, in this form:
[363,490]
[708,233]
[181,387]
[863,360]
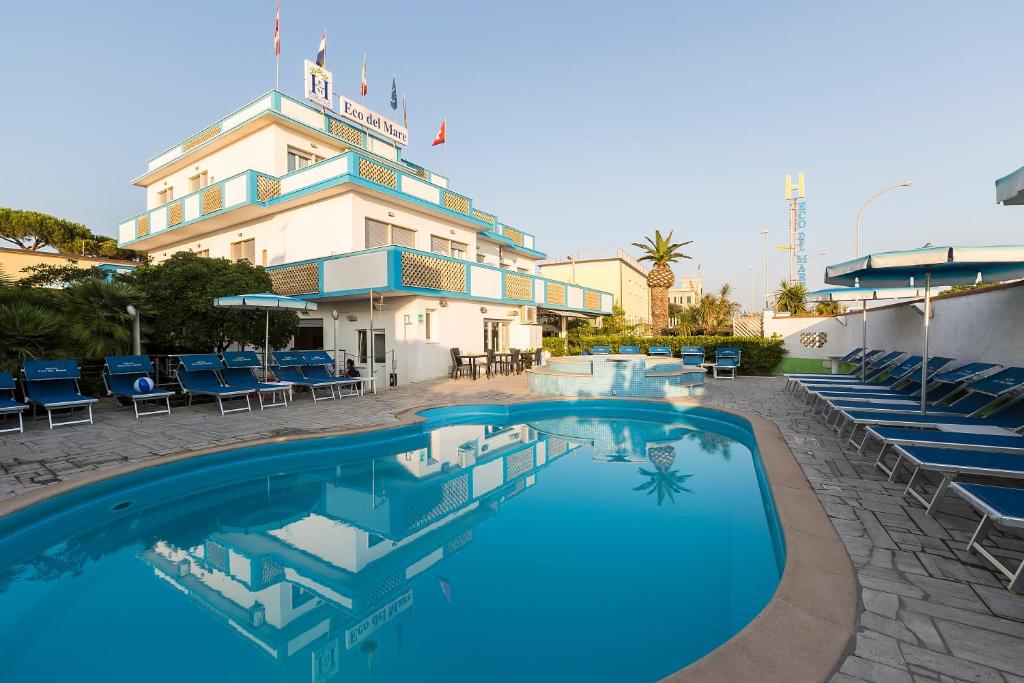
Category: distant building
[612,271]
[13,262]
[687,291]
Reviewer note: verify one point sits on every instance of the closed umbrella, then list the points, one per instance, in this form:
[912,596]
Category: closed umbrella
[268,302]
[863,295]
[930,266]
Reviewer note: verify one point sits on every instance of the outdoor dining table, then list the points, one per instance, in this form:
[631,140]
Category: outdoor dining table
[473,357]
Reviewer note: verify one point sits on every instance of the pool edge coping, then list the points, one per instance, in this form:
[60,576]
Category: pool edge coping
[802,632]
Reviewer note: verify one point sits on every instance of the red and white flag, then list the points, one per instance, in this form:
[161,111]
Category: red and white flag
[439,138]
[362,87]
[277,30]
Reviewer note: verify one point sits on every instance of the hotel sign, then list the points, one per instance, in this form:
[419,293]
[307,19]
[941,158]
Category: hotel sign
[355,634]
[372,121]
[318,82]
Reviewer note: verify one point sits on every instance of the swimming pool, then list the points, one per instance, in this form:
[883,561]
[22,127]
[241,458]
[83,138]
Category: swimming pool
[593,540]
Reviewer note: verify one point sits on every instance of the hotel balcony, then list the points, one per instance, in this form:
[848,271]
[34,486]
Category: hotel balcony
[409,271]
[251,194]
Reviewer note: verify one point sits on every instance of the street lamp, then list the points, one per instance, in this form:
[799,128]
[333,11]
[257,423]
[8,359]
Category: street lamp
[751,288]
[905,183]
[765,234]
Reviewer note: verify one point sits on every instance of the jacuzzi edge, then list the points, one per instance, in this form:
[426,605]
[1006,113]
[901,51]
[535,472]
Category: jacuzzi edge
[800,634]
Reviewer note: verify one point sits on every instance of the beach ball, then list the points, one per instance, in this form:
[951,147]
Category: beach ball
[144,385]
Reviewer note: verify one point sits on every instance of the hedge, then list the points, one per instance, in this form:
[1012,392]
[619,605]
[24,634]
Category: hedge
[759,355]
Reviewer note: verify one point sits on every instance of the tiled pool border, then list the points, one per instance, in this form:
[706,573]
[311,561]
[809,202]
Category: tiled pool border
[801,634]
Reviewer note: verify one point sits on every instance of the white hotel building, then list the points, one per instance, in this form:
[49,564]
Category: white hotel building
[334,213]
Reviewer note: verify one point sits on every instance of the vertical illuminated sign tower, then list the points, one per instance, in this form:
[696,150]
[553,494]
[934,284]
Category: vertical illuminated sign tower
[797,227]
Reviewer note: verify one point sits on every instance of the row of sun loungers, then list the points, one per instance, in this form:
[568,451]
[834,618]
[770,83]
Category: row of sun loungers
[968,440]
[53,385]
[727,358]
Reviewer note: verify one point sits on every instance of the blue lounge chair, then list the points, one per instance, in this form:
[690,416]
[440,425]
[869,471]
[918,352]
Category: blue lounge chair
[198,376]
[997,411]
[659,351]
[53,385]
[727,358]
[239,374]
[951,463]
[119,376]
[629,350]
[9,405]
[600,350]
[900,383]
[693,356]
[795,378]
[319,365]
[999,506]
[878,374]
[905,436]
[288,366]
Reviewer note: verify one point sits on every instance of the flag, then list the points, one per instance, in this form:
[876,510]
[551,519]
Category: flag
[277,30]
[394,94]
[321,55]
[439,138]
[446,588]
[405,113]
[362,87]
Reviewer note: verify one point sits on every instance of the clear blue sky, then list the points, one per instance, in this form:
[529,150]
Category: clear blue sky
[586,123]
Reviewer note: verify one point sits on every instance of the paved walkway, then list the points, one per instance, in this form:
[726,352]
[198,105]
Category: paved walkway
[931,612]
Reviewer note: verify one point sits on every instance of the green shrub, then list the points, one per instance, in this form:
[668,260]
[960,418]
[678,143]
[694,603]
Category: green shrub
[759,355]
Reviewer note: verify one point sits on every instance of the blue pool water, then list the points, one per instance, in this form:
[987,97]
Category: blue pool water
[600,541]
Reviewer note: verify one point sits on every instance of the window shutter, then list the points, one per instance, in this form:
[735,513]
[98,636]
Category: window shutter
[376,234]
[439,245]
[403,237]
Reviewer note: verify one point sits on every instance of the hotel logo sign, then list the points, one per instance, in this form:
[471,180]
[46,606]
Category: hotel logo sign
[318,82]
[372,121]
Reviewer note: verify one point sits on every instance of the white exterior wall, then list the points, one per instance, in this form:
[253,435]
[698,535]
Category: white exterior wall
[985,326]
[424,224]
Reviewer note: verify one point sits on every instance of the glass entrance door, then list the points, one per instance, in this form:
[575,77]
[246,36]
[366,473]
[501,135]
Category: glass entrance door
[496,335]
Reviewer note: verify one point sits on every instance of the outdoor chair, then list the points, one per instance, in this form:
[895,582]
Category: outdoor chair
[459,365]
[493,365]
[319,365]
[890,437]
[659,351]
[121,375]
[288,366]
[999,506]
[53,385]
[693,356]
[629,350]
[515,362]
[198,375]
[794,379]
[727,359]
[240,373]
[877,373]
[897,383]
[600,350]
[9,405]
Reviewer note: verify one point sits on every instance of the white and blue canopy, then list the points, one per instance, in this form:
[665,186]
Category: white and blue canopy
[862,294]
[938,265]
[1010,188]
[264,300]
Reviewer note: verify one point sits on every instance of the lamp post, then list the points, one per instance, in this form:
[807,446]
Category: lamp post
[905,183]
[136,330]
[765,234]
[337,366]
[751,288]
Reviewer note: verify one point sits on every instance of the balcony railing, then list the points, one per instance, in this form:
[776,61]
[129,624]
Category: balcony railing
[252,188]
[400,269]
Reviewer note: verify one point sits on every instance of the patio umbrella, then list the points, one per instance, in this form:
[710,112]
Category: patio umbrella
[934,266]
[268,302]
[863,295]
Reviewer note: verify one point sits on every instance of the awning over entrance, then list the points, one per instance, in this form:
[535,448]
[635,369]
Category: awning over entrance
[565,314]
[1010,189]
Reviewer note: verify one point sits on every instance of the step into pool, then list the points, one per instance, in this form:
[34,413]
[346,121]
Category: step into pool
[558,540]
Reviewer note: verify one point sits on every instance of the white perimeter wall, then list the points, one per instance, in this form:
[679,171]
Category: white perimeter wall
[986,325]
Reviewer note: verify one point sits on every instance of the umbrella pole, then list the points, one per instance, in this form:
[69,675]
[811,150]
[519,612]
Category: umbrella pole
[924,356]
[864,339]
[266,348]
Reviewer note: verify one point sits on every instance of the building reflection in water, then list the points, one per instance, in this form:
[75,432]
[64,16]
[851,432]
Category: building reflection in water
[315,569]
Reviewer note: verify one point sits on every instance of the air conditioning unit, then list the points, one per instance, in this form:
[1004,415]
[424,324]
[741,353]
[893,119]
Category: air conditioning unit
[528,315]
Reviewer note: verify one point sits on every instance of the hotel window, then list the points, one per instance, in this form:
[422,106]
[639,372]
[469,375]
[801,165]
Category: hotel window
[204,253]
[198,182]
[379,234]
[459,249]
[297,159]
[244,251]
[378,346]
[431,319]
[165,195]
[440,245]
[263,261]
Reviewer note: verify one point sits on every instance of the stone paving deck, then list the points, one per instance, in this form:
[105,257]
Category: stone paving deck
[930,611]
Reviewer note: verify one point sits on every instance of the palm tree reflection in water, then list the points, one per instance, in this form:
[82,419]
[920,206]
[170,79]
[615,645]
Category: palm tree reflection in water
[662,480]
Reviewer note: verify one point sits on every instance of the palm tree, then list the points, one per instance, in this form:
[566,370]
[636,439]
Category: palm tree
[663,481]
[830,308]
[789,298]
[712,312]
[661,252]
[96,318]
